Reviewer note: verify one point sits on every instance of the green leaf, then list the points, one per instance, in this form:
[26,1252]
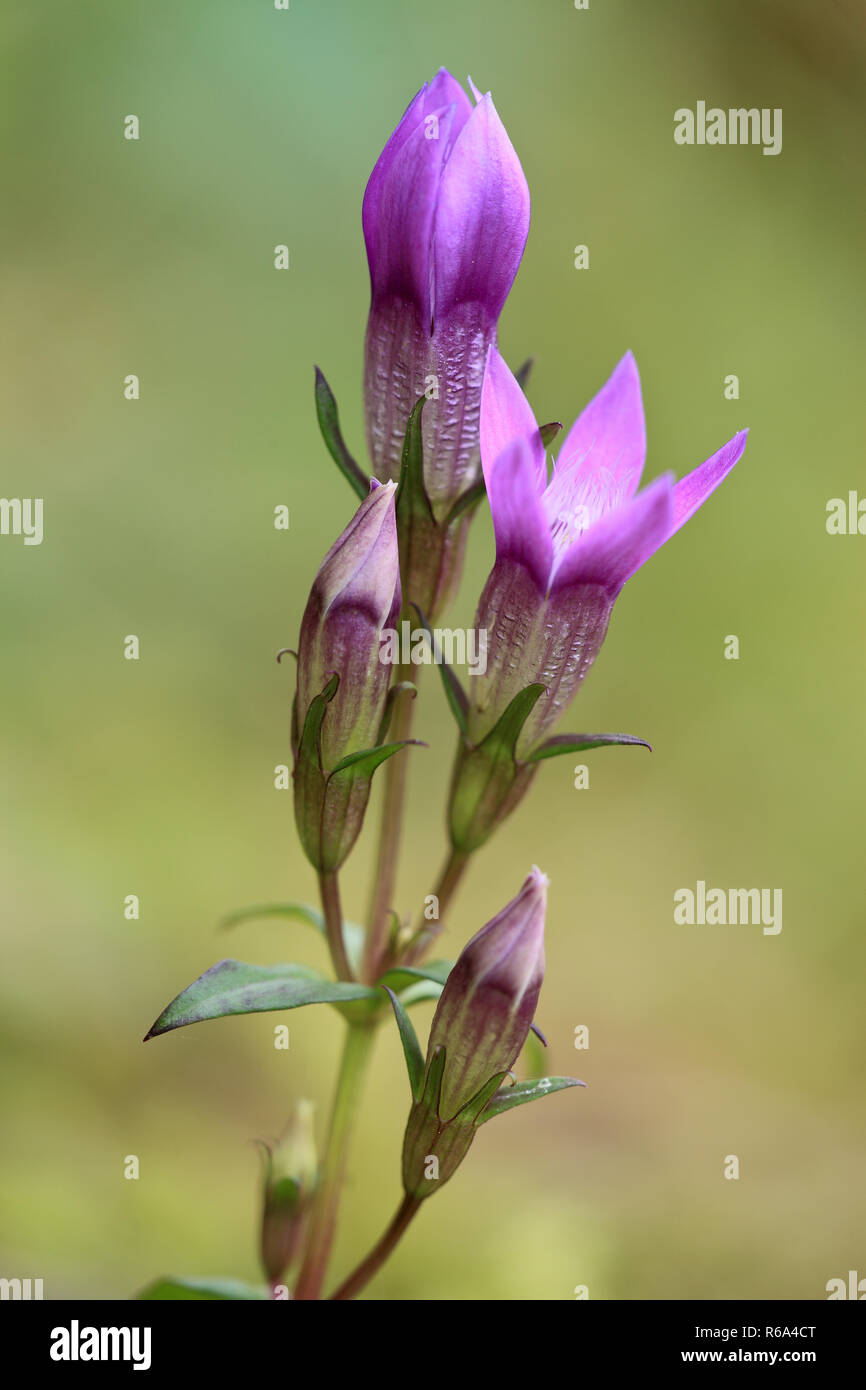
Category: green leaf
[402,975]
[329,424]
[421,990]
[299,912]
[577,743]
[368,759]
[549,432]
[412,501]
[468,499]
[525,1091]
[454,692]
[411,1046]
[233,987]
[189,1289]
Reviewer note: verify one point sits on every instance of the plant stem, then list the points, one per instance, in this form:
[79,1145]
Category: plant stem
[353,1065]
[329,890]
[381,1250]
[389,835]
[448,882]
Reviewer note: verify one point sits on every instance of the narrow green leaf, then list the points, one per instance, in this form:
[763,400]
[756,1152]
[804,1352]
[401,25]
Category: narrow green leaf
[233,987]
[299,912]
[421,990]
[198,1289]
[368,759]
[411,1046]
[329,424]
[549,432]
[454,692]
[525,1091]
[577,743]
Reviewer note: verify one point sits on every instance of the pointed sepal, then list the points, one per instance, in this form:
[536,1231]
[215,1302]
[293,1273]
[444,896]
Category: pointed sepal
[509,1097]
[329,424]
[578,743]
[411,1046]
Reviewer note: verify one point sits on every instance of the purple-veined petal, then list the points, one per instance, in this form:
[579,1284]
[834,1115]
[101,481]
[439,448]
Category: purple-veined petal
[620,542]
[600,461]
[482,217]
[692,491]
[519,523]
[506,415]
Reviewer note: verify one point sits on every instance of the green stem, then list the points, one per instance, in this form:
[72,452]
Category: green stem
[329,890]
[353,1065]
[449,880]
[381,1250]
[389,836]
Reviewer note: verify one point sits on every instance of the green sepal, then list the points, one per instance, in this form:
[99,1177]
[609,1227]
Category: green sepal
[521,376]
[454,692]
[411,1046]
[168,1290]
[470,498]
[233,987]
[329,424]
[501,743]
[412,501]
[577,743]
[407,688]
[549,432]
[368,759]
[309,756]
[524,1092]
[468,1113]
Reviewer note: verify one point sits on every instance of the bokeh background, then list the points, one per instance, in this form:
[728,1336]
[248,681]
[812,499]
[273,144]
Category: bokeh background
[156,777]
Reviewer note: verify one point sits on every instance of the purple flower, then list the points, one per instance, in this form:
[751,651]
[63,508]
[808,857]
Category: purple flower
[342,684]
[446,216]
[481,1023]
[566,546]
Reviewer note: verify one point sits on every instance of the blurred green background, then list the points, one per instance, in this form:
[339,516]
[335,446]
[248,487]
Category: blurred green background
[156,777]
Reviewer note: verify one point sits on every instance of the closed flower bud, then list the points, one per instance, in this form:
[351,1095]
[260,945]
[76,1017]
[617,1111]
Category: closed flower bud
[479,1028]
[289,1181]
[342,683]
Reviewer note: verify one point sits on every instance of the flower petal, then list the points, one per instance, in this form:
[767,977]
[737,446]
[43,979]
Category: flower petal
[692,491]
[614,547]
[506,415]
[482,217]
[519,523]
[600,462]
[399,209]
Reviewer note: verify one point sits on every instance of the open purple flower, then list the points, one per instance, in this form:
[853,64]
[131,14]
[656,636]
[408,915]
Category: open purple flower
[446,216]
[566,545]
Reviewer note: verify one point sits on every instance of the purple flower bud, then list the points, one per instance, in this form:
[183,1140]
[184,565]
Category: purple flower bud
[446,216]
[480,1025]
[355,595]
